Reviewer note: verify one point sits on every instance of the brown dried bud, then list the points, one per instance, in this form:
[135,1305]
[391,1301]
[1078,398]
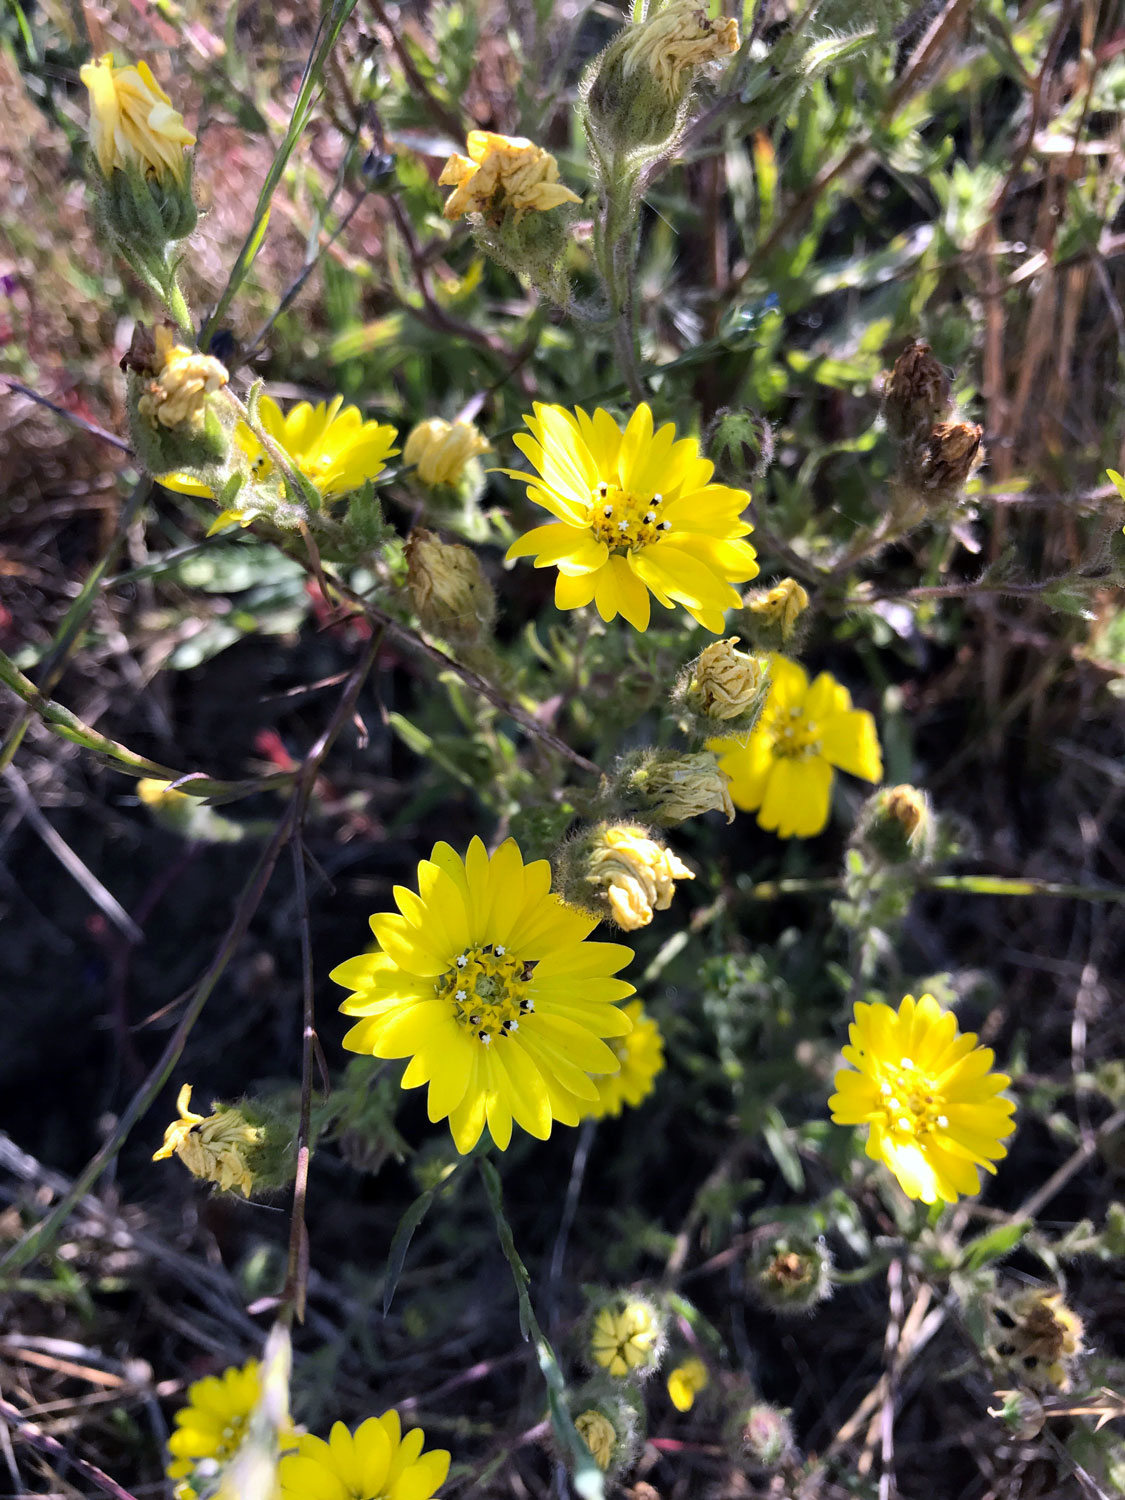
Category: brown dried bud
[916,393]
[950,454]
[450,592]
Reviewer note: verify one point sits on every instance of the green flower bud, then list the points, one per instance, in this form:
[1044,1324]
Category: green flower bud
[897,825]
[791,1275]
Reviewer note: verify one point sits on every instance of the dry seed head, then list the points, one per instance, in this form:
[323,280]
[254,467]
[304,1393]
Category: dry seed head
[917,392]
[451,594]
[675,787]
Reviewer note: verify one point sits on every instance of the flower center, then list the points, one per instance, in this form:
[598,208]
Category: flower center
[910,1104]
[487,988]
[794,736]
[624,521]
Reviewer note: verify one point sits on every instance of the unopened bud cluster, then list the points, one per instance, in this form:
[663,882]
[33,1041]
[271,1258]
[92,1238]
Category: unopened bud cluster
[937,451]
[244,1148]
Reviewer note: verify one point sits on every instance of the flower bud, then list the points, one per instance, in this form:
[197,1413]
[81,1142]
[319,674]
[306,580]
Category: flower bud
[765,1434]
[771,615]
[638,92]
[450,592]
[189,817]
[609,1416]
[937,464]
[626,1336]
[685,1383]
[619,865]
[724,688]
[596,1431]
[791,1275]
[439,450]
[219,1147]
[916,393]
[674,787]
[897,825]
[1021,1411]
[1039,1337]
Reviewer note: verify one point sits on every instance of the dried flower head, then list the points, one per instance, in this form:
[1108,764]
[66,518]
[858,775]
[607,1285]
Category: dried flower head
[179,382]
[641,1055]
[632,872]
[439,450]
[726,684]
[675,42]
[502,175]
[791,1275]
[686,1381]
[218,1147]
[947,456]
[132,122]
[452,596]
[928,1096]
[676,787]
[916,393]
[779,607]
[1039,1337]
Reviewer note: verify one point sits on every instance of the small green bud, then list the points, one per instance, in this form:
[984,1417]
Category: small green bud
[897,825]
[763,1434]
[791,1275]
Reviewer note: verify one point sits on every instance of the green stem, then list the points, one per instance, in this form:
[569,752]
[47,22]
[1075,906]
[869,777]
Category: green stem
[970,885]
[588,1478]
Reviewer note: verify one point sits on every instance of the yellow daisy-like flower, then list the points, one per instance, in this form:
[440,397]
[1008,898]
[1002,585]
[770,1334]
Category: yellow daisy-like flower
[213,1147]
[637,513]
[329,443]
[641,1055]
[132,122]
[485,981]
[784,770]
[210,1429]
[685,1383]
[626,1338]
[376,1462]
[927,1094]
[502,174]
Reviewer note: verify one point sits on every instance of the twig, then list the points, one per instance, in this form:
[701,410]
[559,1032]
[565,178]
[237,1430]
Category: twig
[887,1487]
[103,899]
[566,1223]
[1058,1179]
[69,416]
[34,1438]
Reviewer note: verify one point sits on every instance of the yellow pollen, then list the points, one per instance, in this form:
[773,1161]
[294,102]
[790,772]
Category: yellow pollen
[624,521]
[487,989]
[795,737]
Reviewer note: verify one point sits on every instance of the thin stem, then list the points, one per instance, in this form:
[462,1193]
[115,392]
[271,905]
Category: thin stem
[566,1223]
[34,1437]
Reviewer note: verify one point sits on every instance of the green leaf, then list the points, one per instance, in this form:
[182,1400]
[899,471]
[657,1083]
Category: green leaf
[994,1245]
[400,1243]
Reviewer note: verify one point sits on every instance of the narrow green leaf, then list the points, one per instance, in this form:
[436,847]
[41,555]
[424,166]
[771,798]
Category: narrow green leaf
[994,1245]
[400,1243]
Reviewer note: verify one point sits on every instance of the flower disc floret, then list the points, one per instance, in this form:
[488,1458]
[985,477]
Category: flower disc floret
[485,980]
[210,1429]
[927,1094]
[784,770]
[637,516]
[376,1462]
[132,122]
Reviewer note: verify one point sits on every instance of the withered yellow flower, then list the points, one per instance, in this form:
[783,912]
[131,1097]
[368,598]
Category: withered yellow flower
[439,450]
[448,586]
[679,39]
[635,873]
[724,682]
[176,394]
[782,605]
[213,1147]
[596,1431]
[502,174]
[132,122]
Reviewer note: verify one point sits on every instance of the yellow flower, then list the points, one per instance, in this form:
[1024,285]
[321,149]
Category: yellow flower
[626,1337]
[374,1463]
[685,1383]
[784,770]
[161,794]
[596,1431]
[928,1096]
[485,981]
[782,605]
[132,122]
[637,512]
[724,682]
[329,443]
[502,174]
[439,450]
[212,1147]
[634,872]
[182,379]
[641,1055]
[679,38]
[210,1429]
